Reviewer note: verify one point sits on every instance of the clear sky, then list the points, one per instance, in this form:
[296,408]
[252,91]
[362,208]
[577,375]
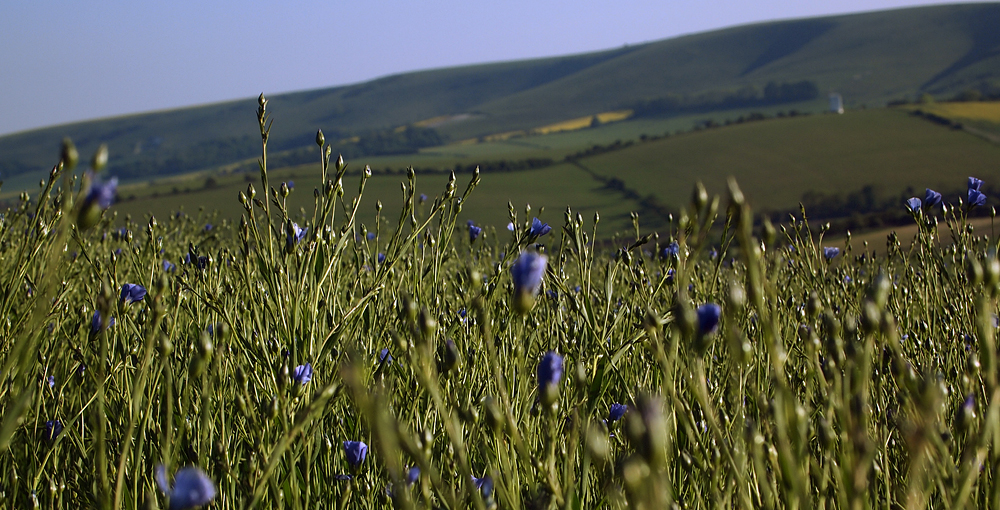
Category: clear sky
[62,61]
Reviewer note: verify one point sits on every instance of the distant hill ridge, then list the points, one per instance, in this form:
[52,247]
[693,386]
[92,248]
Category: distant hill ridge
[870,58]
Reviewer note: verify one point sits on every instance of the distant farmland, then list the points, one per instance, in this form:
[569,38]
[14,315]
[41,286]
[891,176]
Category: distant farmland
[777,161]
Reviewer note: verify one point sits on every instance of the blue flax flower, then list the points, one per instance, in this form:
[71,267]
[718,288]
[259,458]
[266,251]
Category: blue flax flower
[356,452]
[914,204]
[297,233]
[484,484]
[303,373]
[381,258]
[52,429]
[384,356]
[101,194]
[208,227]
[616,412]
[708,318]
[99,198]
[931,198]
[510,226]
[527,272]
[550,371]
[538,228]
[132,292]
[291,184]
[412,475]
[474,232]
[369,236]
[51,380]
[97,322]
[168,266]
[192,487]
[975,196]
[830,252]
[423,198]
[670,250]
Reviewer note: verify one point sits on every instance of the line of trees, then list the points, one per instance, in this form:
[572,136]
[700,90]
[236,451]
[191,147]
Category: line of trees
[746,97]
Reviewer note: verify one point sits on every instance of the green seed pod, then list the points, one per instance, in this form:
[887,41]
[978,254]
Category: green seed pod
[100,159]
[320,139]
[991,272]
[974,271]
[597,443]
[69,156]
[494,416]
[814,306]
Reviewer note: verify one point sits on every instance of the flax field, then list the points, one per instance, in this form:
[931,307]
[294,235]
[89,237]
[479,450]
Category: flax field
[422,361]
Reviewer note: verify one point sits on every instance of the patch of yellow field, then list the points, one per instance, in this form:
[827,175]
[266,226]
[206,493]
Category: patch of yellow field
[433,121]
[583,122]
[502,136]
[988,111]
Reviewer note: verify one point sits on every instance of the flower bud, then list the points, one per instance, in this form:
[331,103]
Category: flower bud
[320,139]
[69,156]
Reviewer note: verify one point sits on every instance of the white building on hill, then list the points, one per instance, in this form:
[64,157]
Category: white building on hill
[836,103]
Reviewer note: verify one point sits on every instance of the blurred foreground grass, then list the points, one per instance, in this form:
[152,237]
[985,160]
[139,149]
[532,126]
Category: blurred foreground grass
[304,360]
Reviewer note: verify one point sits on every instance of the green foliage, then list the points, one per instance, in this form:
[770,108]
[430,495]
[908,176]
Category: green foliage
[833,380]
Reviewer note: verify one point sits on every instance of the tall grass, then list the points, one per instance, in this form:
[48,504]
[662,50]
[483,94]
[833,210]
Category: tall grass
[833,380]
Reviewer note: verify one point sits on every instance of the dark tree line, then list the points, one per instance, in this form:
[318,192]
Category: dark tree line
[746,97]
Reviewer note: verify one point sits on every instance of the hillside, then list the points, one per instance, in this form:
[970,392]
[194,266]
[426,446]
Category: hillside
[870,58]
[869,157]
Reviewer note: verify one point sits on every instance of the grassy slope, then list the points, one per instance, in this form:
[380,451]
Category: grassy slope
[868,57]
[775,161]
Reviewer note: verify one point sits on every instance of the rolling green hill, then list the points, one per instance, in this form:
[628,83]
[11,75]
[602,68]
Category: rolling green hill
[864,156]
[870,58]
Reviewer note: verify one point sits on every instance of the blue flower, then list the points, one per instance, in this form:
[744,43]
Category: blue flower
[975,184]
[101,194]
[914,204]
[132,292]
[538,228]
[670,250]
[474,232]
[462,312]
[829,252]
[422,198]
[370,236]
[616,412]
[550,370]
[412,475]
[52,429]
[356,452]
[510,226]
[384,356]
[303,373]
[291,184]
[976,198]
[527,273]
[931,198]
[192,487]
[484,484]
[297,233]
[168,266]
[708,318]
[208,227]
[670,275]
[381,258]
[51,380]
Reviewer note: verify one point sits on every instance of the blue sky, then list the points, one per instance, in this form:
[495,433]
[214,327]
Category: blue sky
[63,61]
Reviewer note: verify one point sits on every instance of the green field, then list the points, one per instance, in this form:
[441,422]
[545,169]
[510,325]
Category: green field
[776,161]
[166,365]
